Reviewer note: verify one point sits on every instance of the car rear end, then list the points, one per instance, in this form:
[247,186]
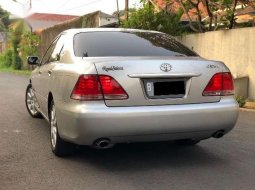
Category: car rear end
[165,93]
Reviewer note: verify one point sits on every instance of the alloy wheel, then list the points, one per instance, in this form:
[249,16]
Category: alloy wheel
[53,127]
[31,103]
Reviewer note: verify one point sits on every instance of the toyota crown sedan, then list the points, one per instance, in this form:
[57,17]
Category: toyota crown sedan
[100,87]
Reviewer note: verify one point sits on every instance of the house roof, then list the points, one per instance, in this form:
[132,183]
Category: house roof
[45,20]
[50,17]
[245,14]
[249,10]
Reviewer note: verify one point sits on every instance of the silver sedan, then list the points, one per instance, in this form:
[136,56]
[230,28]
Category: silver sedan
[99,87]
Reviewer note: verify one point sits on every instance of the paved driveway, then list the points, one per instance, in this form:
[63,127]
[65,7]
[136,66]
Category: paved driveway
[26,161]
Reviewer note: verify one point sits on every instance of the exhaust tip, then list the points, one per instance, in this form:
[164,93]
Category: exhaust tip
[218,134]
[103,143]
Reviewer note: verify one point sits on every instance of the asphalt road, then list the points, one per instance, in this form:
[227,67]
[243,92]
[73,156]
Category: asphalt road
[26,161]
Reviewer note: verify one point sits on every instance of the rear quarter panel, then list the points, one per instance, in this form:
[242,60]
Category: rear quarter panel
[71,73]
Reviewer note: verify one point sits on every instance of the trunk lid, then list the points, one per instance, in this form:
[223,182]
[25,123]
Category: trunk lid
[152,81]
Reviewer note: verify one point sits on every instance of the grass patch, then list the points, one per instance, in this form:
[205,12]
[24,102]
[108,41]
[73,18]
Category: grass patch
[19,72]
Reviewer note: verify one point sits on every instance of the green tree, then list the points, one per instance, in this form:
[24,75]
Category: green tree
[29,46]
[6,58]
[148,19]
[29,43]
[24,43]
[16,35]
[219,13]
[4,20]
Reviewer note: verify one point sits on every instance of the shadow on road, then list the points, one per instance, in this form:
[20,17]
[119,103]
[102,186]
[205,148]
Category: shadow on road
[142,156]
[147,156]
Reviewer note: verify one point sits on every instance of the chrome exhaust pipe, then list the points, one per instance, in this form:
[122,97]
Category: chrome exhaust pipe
[103,143]
[218,134]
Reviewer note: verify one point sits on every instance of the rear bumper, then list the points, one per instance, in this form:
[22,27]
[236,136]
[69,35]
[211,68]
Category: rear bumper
[82,123]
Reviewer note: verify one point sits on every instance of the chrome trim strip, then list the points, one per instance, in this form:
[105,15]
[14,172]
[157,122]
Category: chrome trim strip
[164,75]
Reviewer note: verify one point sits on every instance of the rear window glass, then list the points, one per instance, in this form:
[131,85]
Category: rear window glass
[108,44]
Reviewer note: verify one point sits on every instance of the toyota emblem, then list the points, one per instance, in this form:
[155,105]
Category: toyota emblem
[165,67]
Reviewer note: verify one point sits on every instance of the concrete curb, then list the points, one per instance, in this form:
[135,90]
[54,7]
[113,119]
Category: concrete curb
[248,110]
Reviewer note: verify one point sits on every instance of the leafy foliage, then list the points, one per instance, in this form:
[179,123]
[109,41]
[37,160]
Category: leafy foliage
[241,101]
[17,31]
[29,44]
[16,61]
[146,18]
[209,14]
[21,41]
[24,43]
[10,59]
[6,58]
[4,20]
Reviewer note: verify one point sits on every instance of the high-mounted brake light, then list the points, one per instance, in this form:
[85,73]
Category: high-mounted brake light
[98,87]
[221,84]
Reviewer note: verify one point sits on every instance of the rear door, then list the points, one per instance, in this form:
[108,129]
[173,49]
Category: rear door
[39,82]
[46,75]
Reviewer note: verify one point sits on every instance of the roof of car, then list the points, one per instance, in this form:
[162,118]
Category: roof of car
[79,30]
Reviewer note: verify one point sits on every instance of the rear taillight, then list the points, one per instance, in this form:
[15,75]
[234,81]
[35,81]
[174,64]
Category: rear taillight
[221,84]
[87,88]
[111,88]
[98,87]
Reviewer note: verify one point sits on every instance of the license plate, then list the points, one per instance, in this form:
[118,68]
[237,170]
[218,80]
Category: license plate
[165,88]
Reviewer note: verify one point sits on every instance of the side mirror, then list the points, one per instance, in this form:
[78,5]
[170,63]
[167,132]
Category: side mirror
[33,60]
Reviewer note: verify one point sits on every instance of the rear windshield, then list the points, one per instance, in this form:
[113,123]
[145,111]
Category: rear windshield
[108,44]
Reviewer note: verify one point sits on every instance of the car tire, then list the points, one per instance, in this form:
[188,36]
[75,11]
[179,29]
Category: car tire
[30,101]
[59,147]
[187,142]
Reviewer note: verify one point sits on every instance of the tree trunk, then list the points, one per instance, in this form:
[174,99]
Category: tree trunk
[126,9]
[210,14]
[192,27]
[199,16]
[232,20]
